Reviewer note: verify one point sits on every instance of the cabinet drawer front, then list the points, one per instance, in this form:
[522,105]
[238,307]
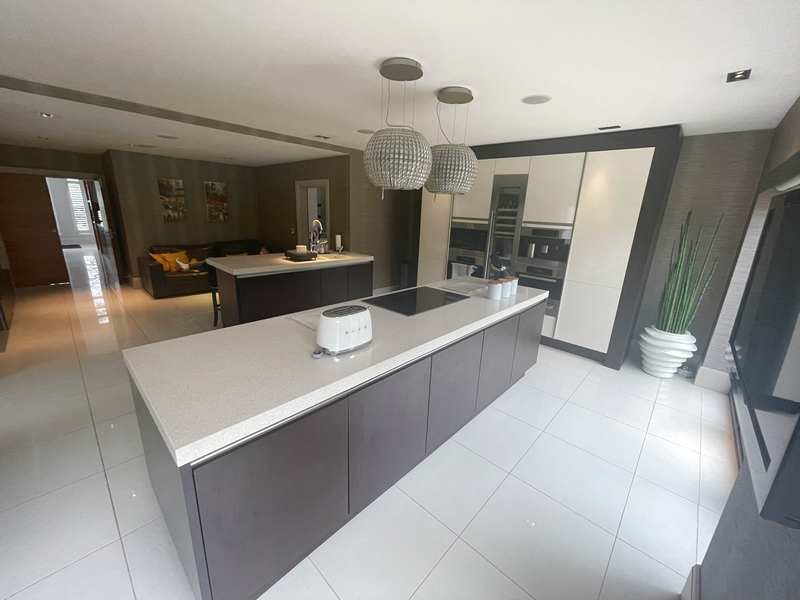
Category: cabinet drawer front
[266,505]
[454,389]
[496,361]
[388,422]
[529,335]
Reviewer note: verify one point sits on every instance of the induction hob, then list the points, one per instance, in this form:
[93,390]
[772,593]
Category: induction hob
[415,300]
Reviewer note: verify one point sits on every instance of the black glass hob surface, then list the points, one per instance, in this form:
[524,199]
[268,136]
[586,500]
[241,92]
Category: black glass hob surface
[416,300]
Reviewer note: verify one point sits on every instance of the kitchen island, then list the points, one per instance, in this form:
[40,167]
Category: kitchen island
[258,452]
[260,286]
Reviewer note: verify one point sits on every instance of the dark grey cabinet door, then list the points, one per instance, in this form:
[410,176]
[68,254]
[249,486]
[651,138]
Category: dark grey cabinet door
[266,505]
[388,421]
[359,281]
[499,343]
[528,336]
[279,294]
[454,388]
[334,285]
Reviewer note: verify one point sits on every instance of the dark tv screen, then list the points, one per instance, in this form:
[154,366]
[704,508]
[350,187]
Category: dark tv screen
[766,337]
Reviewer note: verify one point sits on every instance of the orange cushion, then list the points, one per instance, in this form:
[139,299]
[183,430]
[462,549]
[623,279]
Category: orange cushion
[169,260]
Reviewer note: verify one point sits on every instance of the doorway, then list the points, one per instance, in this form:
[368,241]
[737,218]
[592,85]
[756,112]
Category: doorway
[44,221]
[312,199]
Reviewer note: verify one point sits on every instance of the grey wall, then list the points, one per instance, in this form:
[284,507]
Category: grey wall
[750,558]
[135,186]
[716,174]
[387,228]
[787,137]
[22,158]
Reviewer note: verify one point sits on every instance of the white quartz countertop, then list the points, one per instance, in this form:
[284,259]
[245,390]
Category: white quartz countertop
[253,265]
[208,391]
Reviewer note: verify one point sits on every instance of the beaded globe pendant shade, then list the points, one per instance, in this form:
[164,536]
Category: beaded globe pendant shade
[454,165]
[398,158]
[453,170]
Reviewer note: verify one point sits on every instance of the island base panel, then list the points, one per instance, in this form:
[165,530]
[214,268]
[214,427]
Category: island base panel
[499,342]
[529,336]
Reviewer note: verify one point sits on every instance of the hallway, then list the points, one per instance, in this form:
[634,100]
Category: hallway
[76,510]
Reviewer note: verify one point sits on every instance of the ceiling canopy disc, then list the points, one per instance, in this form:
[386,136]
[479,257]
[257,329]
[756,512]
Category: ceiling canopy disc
[454,94]
[401,69]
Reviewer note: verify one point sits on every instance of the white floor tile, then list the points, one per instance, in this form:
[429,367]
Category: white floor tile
[611,440]
[133,497]
[556,378]
[119,440]
[102,575]
[602,396]
[670,466]
[717,409]
[680,394]
[555,356]
[498,437]
[588,485]
[155,568]
[301,583]
[661,524]
[630,379]
[717,477]
[53,531]
[104,370]
[33,419]
[452,484]
[111,401]
[530,404]
[717,442]
[635,576]
[707,525]
[35,469]
[676,426]
[545,548]
[385,552]
[464,574]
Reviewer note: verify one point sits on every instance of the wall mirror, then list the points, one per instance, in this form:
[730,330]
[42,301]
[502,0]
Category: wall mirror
[313,202]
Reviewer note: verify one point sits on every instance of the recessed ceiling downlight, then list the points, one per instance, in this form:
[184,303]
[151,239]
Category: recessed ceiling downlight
[164,136]
[536,99]
[740,75]
[46,115]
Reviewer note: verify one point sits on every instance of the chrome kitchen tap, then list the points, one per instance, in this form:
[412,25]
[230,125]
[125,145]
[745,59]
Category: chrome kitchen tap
[314,235]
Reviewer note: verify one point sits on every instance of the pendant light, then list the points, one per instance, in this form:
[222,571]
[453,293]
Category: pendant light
[454,165]
[398,157]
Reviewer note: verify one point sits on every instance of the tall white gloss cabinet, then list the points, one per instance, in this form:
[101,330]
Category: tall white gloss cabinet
[609,203]
[553,184]
[475,204]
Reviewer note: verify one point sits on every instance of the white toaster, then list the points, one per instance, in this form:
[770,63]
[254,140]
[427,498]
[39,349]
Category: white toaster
[344,328]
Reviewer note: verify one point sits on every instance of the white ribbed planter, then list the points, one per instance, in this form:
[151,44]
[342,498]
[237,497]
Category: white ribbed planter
[663,353]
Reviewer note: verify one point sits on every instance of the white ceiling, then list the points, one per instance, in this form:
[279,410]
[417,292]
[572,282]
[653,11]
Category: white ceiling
[306,67]
[86,128]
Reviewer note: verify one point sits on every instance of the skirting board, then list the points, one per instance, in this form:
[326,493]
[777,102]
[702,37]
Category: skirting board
[713,379]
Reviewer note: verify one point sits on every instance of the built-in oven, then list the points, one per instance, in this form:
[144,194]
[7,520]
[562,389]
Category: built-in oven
[468,242]
[544,275]
[544,243]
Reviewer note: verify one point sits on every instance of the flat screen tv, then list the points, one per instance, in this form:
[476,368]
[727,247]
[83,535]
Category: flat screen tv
[766,336]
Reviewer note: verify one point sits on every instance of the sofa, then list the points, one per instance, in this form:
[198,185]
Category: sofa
[163,284]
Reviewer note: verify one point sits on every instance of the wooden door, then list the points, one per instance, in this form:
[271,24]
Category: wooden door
[29,230]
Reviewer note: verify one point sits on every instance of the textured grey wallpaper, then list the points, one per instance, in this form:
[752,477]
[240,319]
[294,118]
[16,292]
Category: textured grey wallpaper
[716,174]
[787,137]
[136,176]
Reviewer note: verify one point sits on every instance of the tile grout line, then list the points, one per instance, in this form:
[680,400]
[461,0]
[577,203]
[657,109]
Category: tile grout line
[100,454]
[627,501]
[321,574]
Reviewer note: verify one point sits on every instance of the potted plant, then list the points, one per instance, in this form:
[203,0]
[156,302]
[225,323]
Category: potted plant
[668,344]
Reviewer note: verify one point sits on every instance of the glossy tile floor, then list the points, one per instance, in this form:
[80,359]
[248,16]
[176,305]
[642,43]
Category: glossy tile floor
[579,483]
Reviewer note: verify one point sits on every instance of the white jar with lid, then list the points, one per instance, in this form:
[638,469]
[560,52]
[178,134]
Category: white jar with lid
[494,289]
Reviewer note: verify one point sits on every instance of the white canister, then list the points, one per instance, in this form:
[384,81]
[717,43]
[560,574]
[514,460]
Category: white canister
[494,290]
[514,285]
[506,292]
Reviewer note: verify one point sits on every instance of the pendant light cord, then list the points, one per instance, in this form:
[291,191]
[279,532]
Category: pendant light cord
[388,105]
[439,119]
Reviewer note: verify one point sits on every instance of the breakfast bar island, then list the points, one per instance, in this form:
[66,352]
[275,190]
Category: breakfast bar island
[258,452]
[260,286]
